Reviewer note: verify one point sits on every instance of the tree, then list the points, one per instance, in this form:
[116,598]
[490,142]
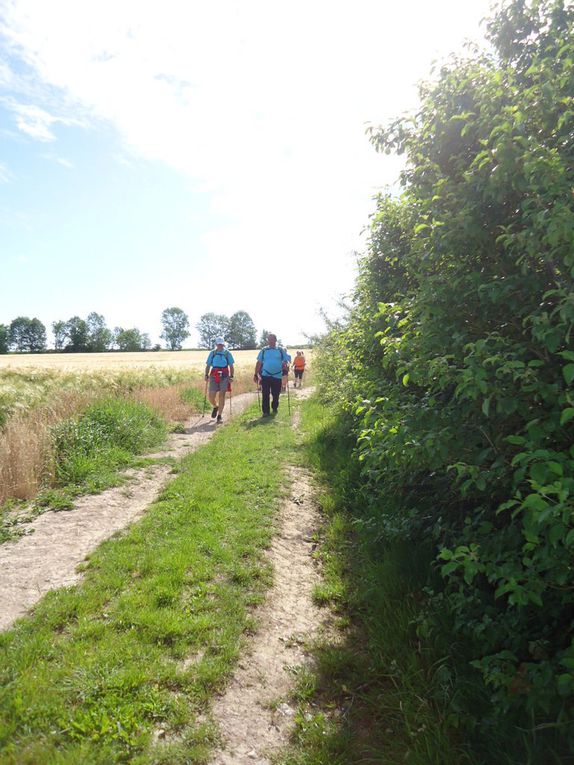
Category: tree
[75,332]
[210,326]
[263,338]
[59,332]
[131,339]
[4,338]
[175,327]
[27,335]
[99,336]
[241,331]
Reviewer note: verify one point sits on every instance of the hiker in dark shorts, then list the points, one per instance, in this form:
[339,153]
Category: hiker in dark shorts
[219,372]
[285,373]
[269,372]
[299,368]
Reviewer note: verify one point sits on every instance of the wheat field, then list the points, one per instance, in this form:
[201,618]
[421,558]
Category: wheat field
[37,391]
[87,362]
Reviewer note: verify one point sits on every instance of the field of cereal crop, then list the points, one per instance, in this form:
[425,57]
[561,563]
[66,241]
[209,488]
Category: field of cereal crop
[88,362]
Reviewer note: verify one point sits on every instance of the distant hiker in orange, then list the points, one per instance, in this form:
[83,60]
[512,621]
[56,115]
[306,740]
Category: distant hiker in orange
[299,368]
[219,371]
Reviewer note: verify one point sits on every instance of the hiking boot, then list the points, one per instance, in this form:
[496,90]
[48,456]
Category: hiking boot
[214,412]
[219,419]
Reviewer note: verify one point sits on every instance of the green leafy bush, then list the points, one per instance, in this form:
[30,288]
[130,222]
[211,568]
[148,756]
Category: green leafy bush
[457,360]
[104,437]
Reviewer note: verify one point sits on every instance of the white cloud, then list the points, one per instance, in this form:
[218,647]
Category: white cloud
[263,105]
[35,122]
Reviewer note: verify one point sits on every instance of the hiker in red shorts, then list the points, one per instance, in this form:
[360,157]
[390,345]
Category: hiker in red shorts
[219,372]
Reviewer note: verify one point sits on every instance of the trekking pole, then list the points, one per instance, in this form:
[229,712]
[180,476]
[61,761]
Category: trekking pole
[230,397]
[204,399]
[288,399]
[258,397]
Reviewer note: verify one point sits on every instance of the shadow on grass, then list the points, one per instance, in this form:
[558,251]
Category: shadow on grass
[259,422]
[376,694]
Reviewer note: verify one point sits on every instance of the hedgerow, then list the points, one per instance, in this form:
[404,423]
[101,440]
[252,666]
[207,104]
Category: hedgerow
[457,361]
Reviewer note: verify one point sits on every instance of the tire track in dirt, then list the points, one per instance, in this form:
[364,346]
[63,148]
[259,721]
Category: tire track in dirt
[55,543]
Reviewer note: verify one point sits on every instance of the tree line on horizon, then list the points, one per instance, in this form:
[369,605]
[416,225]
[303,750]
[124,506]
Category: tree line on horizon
[92,335]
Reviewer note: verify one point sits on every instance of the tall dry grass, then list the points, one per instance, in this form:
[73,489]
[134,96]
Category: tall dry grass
[26,451]
[26,448]
[167,402]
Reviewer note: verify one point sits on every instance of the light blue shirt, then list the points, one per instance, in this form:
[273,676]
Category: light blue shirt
[272,360]
[219,359]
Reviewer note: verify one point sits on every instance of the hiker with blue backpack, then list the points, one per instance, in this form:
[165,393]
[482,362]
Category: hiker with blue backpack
[271,362]
[219,371]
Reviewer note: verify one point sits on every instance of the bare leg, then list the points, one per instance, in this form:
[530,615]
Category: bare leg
[222,394]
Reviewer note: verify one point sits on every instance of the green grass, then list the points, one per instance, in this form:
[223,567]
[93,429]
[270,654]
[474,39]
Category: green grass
[194,397]
[102,439]
[155,628]
[384,694]
[90,451]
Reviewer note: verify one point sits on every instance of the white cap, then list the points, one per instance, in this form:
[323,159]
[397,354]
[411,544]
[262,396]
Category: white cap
[219,341]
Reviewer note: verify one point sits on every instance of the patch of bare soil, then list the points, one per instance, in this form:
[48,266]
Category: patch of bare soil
[253,715]
[56,542]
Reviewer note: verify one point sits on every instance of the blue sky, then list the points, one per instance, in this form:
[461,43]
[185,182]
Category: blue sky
[207,156]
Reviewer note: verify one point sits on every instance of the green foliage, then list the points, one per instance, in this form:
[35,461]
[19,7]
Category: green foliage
[263,339]
[238,330]
[99,336]
[91,335]
[175,323]
[456,362]
[157,622]
[4,338]
[386,686]
[194,397]
[27,335]
[210,326]
[103,438]
[241,333]
[131,339]
[72,335]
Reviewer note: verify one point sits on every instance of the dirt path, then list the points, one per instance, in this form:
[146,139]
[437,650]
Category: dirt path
[253,715]
[48,556]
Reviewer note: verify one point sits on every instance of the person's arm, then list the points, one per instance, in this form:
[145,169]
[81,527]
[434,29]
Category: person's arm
[208,365]
[258,367]
[231,364]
